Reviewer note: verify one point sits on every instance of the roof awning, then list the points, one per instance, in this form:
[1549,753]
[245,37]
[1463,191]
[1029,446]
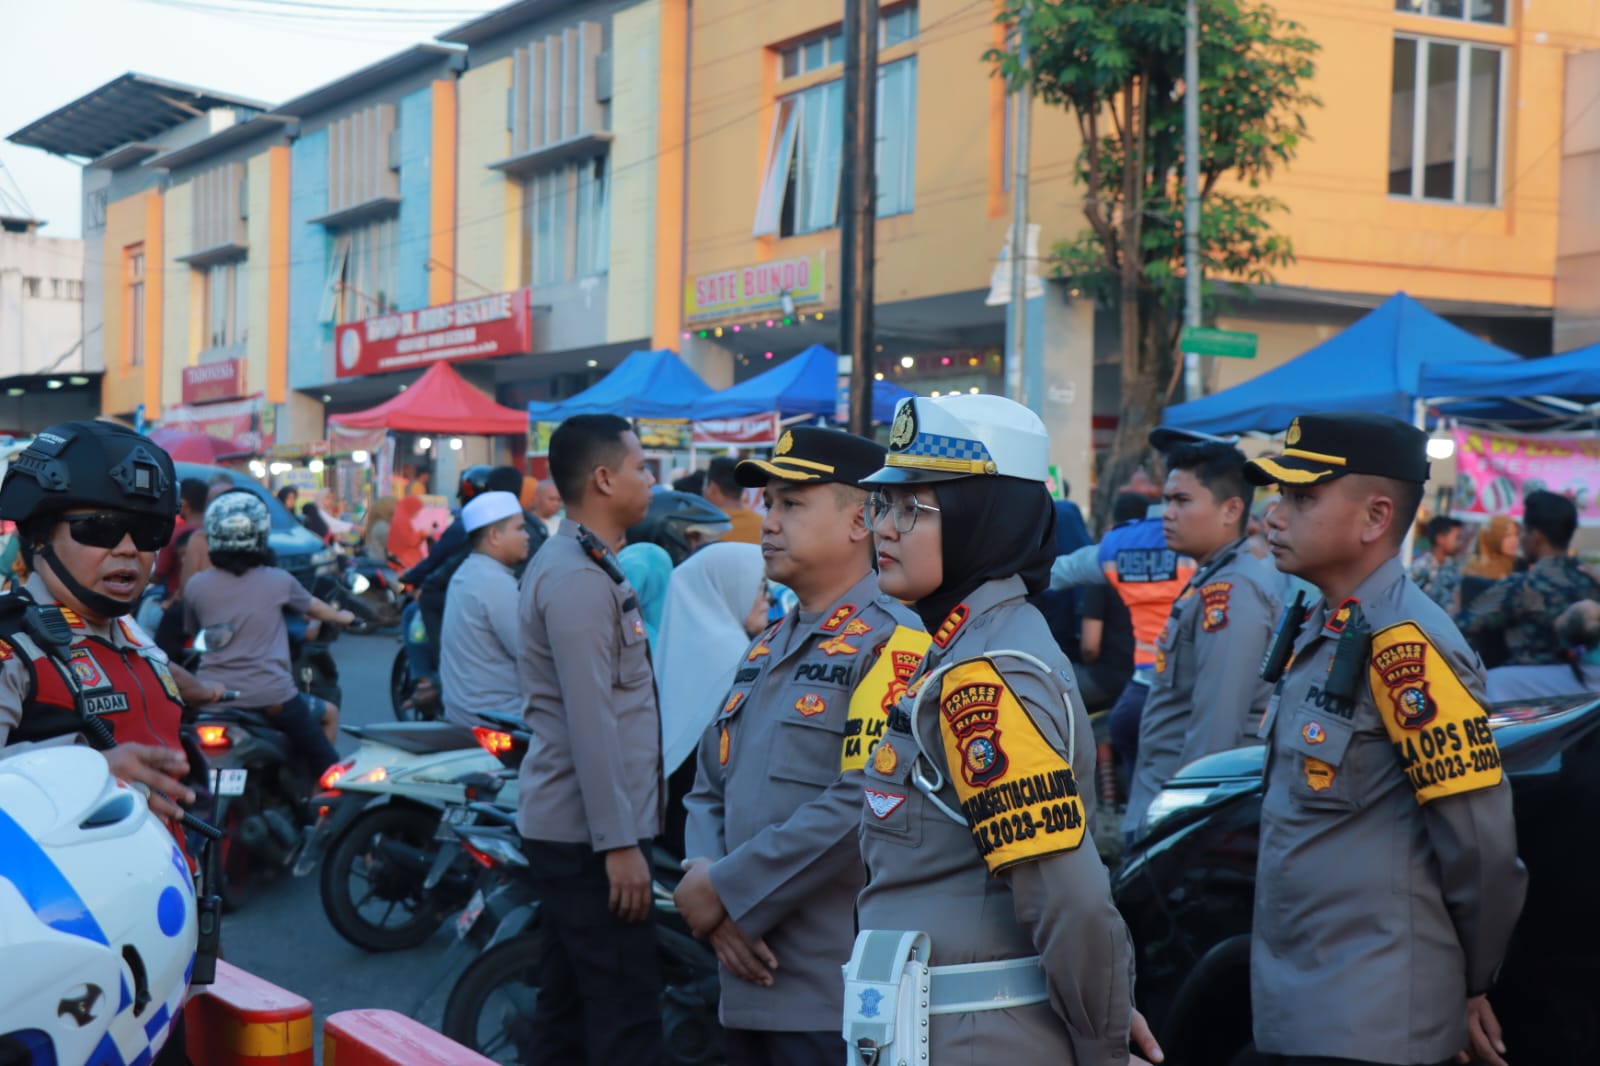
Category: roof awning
[440,401]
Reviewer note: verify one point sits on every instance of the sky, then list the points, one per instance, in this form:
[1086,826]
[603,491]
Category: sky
[271,50]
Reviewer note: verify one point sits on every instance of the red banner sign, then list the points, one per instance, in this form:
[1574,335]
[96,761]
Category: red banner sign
[752,431]
[472,329]
[209,382]
[238,422]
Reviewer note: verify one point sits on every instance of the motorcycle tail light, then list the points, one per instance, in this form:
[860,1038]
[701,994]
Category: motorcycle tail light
[492,740]
[214,737]
[332,774]
[482,858]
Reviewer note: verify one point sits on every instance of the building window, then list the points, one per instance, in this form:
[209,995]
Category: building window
[800,190]
[566,227]
[362,267]
[133,287]
[225,293]
[30,288]
[1492,12]
[823,50]
[1445,121]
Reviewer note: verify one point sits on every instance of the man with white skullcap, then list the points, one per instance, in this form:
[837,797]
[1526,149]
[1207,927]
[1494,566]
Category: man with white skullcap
[478,648]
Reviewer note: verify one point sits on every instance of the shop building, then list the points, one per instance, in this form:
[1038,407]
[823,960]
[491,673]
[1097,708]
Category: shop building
[44,375]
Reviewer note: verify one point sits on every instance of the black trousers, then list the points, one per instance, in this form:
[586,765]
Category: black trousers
[1322,1060]
[755,1047]
[599,978]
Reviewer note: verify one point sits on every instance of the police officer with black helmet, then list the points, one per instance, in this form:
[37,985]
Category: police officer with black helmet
[93,502]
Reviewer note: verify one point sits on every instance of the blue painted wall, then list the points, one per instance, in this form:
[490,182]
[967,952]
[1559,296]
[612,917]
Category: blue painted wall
[416,181]
[309,245]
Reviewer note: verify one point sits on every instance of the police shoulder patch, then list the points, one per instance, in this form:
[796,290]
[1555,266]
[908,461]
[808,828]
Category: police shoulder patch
[880,689]
[1439,729]
[1214,606]
[1017,790]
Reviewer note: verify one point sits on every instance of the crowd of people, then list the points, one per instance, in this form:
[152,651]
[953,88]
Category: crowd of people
[863,707]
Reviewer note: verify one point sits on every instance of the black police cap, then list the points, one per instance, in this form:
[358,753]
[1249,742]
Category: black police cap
[1323,447]
[811,454]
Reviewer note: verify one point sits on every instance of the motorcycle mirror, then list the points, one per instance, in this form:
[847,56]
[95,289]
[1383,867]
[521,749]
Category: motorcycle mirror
[359,583]
[200,642]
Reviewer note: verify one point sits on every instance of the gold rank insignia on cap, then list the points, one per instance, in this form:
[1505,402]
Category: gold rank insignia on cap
[786,445]
[1293,436]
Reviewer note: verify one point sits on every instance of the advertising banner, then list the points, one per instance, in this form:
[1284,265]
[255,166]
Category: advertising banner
[663,434]
[471,329]
[235,421]
[1496,470]
[757,431]
[754,289]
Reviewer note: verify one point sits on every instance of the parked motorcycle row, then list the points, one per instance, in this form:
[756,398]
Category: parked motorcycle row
[415,830]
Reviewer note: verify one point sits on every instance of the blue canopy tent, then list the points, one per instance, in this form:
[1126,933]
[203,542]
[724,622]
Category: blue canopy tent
[1375,365]
[644,385]
[805,386]
[1559,387]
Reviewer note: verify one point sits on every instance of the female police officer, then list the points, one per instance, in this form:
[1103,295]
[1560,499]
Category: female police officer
[975,833]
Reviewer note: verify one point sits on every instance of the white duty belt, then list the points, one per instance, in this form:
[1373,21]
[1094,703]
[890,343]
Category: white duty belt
[890,992]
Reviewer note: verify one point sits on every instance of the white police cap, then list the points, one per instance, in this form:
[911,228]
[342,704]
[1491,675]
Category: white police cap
[964,436]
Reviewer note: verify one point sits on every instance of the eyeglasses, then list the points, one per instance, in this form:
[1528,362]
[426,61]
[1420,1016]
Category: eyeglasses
[904,510]
[106,529]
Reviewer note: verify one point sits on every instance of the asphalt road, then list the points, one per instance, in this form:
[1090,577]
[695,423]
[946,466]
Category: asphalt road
[280,933]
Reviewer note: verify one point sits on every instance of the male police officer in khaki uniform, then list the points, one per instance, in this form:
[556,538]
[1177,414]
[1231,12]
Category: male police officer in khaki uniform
[591,791]
[774,865]
[1388,882]
[1206,694]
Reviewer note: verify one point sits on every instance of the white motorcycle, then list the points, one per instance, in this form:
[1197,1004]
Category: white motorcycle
[394,870]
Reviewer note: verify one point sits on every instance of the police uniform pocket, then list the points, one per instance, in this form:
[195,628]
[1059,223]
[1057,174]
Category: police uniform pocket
[633,659]
[1322,775]
[806,751]
[891,804]
[1169,654]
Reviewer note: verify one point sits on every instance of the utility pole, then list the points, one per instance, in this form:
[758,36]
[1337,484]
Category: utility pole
[1017,308]
[1191,191]
[859,186]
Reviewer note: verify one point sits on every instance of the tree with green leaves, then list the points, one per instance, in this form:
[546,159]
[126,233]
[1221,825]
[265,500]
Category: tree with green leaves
[1117,66]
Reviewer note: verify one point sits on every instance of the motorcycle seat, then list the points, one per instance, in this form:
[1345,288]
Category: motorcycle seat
[242,715]
[421,738]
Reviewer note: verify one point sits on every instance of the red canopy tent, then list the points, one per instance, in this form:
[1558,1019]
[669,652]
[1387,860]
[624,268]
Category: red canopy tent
[440,401]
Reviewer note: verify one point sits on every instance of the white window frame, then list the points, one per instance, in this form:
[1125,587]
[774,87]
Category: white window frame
[1419,116]
[1419,8]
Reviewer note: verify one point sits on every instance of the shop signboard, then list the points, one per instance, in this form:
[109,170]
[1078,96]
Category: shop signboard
[754,289]
[663,434]
[753,431]
[210,382]
[501,324]
[539,434]
[1494,471]
[235,421]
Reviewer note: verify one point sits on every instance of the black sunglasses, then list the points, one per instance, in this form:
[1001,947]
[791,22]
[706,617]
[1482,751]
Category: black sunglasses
[105,529]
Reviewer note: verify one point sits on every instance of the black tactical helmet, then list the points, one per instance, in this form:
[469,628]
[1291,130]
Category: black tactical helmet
[474,479]
[672,516]
[89,464]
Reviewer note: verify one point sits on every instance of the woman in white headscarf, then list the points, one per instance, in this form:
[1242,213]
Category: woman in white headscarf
[714,599]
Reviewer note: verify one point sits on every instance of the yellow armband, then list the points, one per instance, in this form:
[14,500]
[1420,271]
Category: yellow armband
[1440,732]
[876,695]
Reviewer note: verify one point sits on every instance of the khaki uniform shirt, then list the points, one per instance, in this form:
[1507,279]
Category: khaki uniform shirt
[592,774]
[1206,692]
[1388,882]
[777,799]
[1022,877]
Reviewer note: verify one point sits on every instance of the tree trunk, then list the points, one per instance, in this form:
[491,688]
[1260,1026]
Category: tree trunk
[1146,365]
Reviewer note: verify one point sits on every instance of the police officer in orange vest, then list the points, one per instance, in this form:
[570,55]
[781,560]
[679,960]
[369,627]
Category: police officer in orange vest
[93,502]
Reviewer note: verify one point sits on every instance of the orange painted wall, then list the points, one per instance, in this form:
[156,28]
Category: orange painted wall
[122,388]
[442,197]
[155,269]
[277,324]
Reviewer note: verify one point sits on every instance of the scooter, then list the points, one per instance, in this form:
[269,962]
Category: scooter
[490,1007]
[391,870]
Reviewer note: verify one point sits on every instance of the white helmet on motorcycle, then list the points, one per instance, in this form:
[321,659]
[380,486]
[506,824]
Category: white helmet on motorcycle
[238,521]
[97,914]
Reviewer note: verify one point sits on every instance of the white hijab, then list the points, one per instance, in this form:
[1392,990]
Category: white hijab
[702,640]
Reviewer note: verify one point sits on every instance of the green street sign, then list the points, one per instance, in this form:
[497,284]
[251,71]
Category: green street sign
[1202,340]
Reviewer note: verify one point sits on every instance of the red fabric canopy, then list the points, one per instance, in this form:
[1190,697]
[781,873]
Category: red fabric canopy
[440,401]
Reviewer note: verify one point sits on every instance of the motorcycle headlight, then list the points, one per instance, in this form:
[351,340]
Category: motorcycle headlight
[1172,802]
[359,583]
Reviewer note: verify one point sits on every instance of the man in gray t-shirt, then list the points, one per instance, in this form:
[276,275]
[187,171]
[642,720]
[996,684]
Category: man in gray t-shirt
[479,642]
[247,642]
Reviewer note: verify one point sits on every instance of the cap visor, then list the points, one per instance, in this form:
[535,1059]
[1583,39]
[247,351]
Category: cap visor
[754,473]
[1165,438]
[1281,471]
[905,475]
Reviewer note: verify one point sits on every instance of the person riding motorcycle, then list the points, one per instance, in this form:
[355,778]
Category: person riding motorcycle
[100,931]
[239,606]
[93,502]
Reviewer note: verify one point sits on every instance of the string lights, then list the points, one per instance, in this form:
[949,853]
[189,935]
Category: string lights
[715,332]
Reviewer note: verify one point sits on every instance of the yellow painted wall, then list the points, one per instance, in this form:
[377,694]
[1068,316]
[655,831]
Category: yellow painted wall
[183,296]
[122,388]
[442,196]
[948,242]
[258,177]
[634,254]
[276,259]
[1350,235]
[487,230]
